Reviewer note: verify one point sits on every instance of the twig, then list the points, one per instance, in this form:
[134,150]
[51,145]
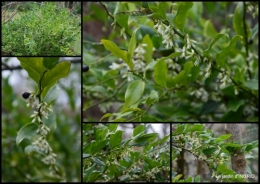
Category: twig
[246,40]
[112,17]
[106,99]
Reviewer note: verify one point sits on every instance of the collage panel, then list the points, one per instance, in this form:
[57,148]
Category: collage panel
[41,119]
[213,152]
[126,152]
[41,28]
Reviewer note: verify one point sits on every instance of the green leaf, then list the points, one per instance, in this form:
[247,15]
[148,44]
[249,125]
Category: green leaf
[27,131]
[209,151]
[46,89]
[216,38]
[154,97]
[222,168]
[133,93]
[115,139]
[238,19]
[94,176]
[97,146]
[234,104]
[138,130]
[34,67]
[112,127]
[59,71]
[220,57]
[132,44]
[160,73]
[209,29]
[50,62]
[223,137]
[122,20]
[180,18]
[252,84]
[197,179]
[112,47]
[148,55]
[173,55]
[52,94]
[162,10]
[143,139]
[196,127]
[107,115]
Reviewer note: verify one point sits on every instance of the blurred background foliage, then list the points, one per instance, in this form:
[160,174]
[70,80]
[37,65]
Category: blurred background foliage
[17,166]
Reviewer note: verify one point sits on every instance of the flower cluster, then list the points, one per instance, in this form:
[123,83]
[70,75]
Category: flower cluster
[224,79]
[31,100]
[41,144]
[200,93]
[167,33]
[208,70]
[42,110]
[139,55]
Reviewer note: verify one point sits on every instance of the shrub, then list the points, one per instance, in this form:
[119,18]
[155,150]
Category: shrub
[45,30]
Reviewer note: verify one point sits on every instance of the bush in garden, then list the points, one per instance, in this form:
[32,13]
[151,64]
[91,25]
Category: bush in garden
[107,157]
[172,64]
[214,151]
[44,30]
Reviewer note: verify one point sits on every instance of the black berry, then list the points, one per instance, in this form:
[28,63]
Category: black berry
[85,68]
[26,95]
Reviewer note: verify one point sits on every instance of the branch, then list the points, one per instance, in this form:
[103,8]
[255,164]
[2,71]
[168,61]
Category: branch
[246,40]
[112,17]
[108,98]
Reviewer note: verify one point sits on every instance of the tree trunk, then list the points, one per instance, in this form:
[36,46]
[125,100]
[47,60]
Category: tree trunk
[238,160]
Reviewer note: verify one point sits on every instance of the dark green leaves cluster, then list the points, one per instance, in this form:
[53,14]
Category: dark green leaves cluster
[108,146]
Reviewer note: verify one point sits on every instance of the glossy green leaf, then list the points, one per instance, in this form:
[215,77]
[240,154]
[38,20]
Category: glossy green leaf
[138,130]
[50,62]
[59,71]
[122,20]
[133,93]
[27,131]
[223,137]
[220,57]
[148,55]
[162,10]
[132,43]
[116,51]
[115,139]
[216,38]
[52,94]
[143,139]
[180,18]
[252,84]
[160,73]
[238,19]
[209,151]
[46,89]
[112,127]
[33,65]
